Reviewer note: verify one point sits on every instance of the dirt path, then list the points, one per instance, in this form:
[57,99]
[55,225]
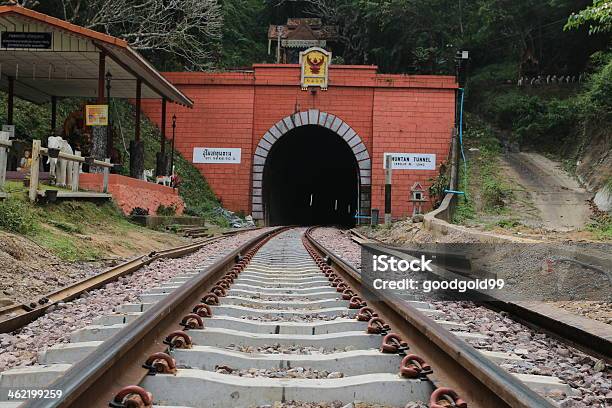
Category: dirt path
[561,202]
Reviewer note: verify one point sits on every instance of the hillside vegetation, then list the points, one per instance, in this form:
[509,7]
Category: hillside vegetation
[78,231]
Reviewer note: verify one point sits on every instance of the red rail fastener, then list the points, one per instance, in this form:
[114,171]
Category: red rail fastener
[392,343]
[356,303]
[413,366]
[218,290]
[211,299]
[223,284]
[202,310]
[160,363]
[336,282]
[132,396]
[444,397]
[341,287]
[365,314]
[347,294]
[376,325]
[178,339]
[192,321]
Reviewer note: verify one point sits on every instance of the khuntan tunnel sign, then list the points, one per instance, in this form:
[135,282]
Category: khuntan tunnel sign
[411,161]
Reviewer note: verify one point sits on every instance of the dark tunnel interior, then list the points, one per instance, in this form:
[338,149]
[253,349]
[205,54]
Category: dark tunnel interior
[310,178]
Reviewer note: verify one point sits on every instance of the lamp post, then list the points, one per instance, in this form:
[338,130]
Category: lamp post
[109,137]
[173,136]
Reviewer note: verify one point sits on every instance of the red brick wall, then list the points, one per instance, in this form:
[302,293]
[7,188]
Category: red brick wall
[389,112]
[129,193]
[409,121]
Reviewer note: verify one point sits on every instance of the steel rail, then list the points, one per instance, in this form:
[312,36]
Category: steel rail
[94,381]
[596,344]
[459,365]
[14,317]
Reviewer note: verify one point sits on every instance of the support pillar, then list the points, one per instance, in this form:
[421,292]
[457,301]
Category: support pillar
[53,115]
[99,133]
[161,166]
[137,146]
[138,108]
[11,100]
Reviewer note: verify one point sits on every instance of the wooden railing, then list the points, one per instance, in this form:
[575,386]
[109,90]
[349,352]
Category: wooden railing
[73,166]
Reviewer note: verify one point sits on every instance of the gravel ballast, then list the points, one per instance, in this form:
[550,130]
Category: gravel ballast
[589,378]
[20,348]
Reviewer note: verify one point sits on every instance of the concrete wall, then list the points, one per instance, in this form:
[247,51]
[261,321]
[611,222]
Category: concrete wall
[235,109]
[130,193]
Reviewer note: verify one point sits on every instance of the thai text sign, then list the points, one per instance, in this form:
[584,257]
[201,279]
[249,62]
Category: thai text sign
[314,64]
[96,115]
[15,39]
[411,161]
[216,155]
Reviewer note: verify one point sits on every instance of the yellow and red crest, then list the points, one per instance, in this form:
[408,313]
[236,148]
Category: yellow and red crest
[315,67]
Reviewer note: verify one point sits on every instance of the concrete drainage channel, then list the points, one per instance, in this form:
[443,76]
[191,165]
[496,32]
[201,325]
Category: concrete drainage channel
[277,326]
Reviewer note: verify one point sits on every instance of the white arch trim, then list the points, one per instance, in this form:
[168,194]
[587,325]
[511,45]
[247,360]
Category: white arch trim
[310,117]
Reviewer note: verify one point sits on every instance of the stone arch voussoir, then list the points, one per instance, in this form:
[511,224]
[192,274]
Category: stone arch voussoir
[304,118]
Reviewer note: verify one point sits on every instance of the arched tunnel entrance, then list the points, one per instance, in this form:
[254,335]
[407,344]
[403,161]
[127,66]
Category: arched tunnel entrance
[311,177]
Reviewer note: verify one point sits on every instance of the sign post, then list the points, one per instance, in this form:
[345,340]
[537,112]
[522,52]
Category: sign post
[388,172]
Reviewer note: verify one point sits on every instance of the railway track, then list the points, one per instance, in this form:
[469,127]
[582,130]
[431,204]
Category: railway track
[592,337]
[269,323]
[17,315]
[555,353]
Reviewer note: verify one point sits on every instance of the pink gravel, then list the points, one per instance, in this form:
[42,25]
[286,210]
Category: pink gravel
[21,348]
[339,241]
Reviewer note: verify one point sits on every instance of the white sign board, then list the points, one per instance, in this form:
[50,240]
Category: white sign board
[217,155]
[411,161]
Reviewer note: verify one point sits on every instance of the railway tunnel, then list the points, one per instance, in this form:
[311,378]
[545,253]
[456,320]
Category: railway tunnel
[306,186]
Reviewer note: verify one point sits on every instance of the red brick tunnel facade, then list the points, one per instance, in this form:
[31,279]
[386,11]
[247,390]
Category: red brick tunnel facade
[372,114]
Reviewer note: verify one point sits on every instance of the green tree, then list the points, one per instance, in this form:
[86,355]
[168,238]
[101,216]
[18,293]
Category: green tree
[598,16]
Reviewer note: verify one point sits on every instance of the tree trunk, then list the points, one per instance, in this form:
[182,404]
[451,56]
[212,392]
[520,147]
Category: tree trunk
[98,147]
